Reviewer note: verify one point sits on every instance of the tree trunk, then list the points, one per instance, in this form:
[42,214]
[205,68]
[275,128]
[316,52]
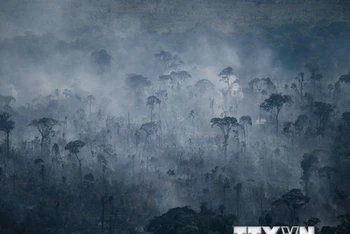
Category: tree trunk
[102,214]
[301,90]
[80,172]
[42,144]
[277,123]
[225,146]
[128,120]
[8,144]
[237,203]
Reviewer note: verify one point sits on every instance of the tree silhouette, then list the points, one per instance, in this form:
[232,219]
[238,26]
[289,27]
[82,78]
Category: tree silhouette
[193,115]
[262,85]
[226,75]
[152,101]
[102,59]
[225,125]
[178,78]
[301,82]
[44,126]
[74,148]
[245,121]
[274,104]
[90,99]
[300,124]
[238,189]
[183,220]
[322,111]
[136,84]
[314,78]
[6,126]
[308,164]
[294,200]
[204,85]
[149,129]
[168,60]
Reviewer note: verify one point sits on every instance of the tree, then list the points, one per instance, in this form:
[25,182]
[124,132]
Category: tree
[89,100]
[6,126]
[74,148]
[262,85]
[274,104]
[225,125]
[300,124]
[301,82]
[102,59]
[322,111]
[288,130]
[294,200]
[245,121]
[149,128]
[184,220]
[225,75]
[44,126]
[193,115]
[168,60]
[204,85]
[238,189]
[152,101]
[308,164]
[315,76]
[178,78]
[136,83]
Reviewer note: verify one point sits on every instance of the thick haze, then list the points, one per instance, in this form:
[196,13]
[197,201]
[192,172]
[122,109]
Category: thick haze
[85,64]
[48,44]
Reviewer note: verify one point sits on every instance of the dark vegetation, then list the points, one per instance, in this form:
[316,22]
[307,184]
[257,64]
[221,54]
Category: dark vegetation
[175,146]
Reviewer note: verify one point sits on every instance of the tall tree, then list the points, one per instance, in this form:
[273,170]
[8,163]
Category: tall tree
[136,84]
[178,78]
[225,125]
[168,60]
[294,200]
[102,59]
[238,189]
[152,101]
[90,99]
[149,128]
[274,104]
[44,126]
[308,164]
[226,76]
[74,148]
[322,111]
[6,126]
[245,121]
[314,77]
[301,83]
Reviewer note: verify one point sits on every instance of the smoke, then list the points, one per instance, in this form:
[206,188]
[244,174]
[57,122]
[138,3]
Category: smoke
[54,54]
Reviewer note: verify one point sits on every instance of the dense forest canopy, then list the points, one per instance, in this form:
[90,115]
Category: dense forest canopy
[173,118]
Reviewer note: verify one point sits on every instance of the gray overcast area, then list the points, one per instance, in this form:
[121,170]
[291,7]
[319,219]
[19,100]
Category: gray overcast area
[213,113]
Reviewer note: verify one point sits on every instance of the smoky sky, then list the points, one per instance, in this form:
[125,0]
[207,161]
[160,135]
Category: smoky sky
[46,45]
[90,47]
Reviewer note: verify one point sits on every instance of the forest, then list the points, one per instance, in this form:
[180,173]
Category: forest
[118,129]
